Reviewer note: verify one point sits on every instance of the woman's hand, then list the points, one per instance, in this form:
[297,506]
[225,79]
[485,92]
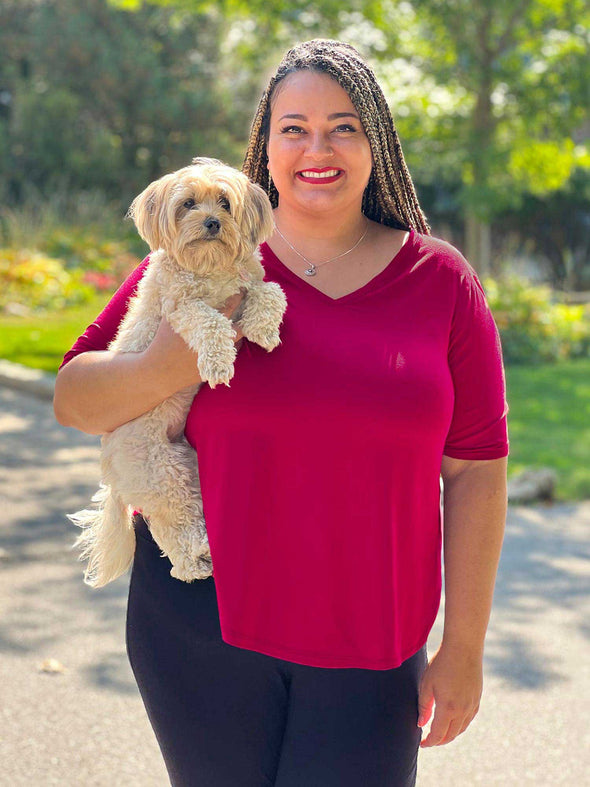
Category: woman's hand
[169,351]
[166,341]
[453,683]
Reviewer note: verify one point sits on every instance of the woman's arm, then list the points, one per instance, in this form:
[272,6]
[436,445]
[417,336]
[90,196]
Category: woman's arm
[474,520]
[96,392]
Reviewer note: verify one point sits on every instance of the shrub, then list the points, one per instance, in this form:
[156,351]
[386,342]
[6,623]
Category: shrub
[59,251]
[83,248]
[33,281]
[535,328]
[81,229]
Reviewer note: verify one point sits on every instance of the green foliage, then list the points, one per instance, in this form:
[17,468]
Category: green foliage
[80,247]
[58,251]
[31,280]
[69,270]
[493,97]
[28,223]
[555,228]
[545,166]
[100,98]
[533,327]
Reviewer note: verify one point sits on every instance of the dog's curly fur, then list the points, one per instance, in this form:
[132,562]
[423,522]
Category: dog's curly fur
[203,223]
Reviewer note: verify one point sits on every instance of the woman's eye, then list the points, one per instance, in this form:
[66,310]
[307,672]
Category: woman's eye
[224,202]
[345,127]
[190,203]
[291,130]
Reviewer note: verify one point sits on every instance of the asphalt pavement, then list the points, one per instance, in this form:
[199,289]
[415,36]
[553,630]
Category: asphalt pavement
[70,712]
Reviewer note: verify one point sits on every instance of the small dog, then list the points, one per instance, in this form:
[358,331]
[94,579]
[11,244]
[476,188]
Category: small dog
[203,224]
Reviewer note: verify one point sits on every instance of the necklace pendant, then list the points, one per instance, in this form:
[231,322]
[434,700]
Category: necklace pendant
[310,271]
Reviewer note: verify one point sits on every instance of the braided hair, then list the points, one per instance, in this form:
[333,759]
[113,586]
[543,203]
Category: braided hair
[390,197]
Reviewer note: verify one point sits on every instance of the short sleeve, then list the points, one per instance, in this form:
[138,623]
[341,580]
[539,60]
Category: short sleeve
[102,331]
[478,427]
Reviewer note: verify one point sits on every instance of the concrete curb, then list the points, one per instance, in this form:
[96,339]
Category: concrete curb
[22,378]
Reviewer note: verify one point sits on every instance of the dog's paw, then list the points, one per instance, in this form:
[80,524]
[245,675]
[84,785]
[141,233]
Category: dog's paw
[188,571]
[268,338]
[214,371]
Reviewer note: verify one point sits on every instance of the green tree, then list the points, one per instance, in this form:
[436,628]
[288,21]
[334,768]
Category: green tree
[555,228]
[102,98]
[500,97]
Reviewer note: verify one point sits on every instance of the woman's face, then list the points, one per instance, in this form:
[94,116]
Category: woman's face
[318,153]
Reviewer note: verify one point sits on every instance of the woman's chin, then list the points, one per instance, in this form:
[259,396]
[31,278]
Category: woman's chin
[319,201]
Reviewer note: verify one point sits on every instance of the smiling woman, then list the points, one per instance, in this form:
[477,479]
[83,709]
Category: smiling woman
[302,660]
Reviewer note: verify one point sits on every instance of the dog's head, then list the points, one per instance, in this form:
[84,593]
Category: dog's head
[206,216]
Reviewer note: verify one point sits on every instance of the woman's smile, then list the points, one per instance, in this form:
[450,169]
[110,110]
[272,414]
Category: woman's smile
[320,176]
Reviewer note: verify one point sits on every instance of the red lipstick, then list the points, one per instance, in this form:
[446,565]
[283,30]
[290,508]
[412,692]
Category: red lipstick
[320,180]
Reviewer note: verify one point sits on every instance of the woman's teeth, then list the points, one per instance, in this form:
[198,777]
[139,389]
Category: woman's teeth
[328,174]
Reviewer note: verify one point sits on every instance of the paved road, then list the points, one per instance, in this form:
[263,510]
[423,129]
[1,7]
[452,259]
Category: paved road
[86,726]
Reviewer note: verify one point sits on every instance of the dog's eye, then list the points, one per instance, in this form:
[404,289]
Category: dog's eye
[190,203]
[224,202]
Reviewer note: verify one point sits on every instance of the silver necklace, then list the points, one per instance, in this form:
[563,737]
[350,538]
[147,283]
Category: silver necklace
[311,271]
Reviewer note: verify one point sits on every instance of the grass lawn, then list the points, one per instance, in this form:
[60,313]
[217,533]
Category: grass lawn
[549,422]
[549,418]
[41,342]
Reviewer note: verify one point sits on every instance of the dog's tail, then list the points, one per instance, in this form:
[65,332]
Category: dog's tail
[107,539]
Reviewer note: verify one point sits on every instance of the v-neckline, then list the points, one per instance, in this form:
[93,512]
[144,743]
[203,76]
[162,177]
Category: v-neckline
[376,280]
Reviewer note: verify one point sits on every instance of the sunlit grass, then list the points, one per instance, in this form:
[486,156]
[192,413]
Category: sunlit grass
[549,422]
[42,341]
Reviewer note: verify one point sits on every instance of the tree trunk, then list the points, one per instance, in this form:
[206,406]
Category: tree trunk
[478,243]
[478,239]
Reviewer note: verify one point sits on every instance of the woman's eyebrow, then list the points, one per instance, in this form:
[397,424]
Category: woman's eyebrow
[294,117]
[333,116]
[336,115]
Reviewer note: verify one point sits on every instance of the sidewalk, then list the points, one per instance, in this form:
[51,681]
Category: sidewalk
[86,726]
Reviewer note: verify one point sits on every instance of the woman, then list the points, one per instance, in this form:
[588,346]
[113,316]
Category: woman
[302,661]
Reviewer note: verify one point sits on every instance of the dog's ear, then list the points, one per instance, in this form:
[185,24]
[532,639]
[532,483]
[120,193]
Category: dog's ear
[257,216]
[151,215]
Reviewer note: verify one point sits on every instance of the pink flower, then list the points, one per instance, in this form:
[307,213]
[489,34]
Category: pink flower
[100,281]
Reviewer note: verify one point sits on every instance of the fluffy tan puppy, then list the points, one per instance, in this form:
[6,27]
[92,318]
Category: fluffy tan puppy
[203,224]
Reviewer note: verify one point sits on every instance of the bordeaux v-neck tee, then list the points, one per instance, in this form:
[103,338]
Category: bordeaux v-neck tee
[320,463]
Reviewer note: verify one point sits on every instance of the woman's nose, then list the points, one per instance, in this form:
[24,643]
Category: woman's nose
[319,145]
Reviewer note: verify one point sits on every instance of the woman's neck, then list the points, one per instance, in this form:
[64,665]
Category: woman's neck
[317,235]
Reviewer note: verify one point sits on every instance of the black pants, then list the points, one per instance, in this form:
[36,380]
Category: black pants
[229,717]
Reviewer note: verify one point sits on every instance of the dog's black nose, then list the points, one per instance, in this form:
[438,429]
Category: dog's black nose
[212,224]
